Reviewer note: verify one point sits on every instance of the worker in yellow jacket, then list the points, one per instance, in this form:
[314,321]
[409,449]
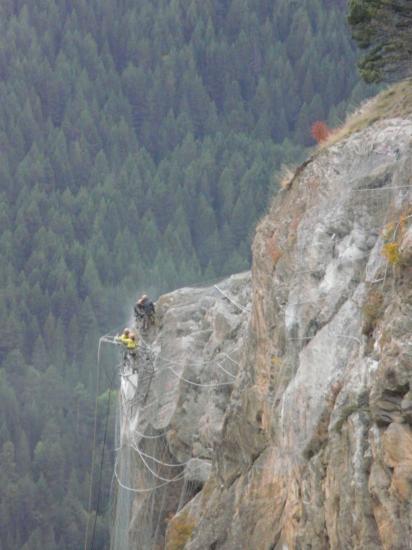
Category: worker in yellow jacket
[129,341]
[124,337]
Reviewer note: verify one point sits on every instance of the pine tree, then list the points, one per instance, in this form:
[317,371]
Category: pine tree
[383,29]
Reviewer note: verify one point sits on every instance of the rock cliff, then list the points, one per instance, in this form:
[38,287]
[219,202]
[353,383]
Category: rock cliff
[311,446]
[172,409]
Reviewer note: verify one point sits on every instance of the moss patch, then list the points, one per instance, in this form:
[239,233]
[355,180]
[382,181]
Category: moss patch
[179,532]
[372,311]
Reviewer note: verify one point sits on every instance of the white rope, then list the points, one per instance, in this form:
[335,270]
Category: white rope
[197,384]
[148,490]
[180,465]
[156,401]
[225,371]
[383,188]
[149,468]
[242,308]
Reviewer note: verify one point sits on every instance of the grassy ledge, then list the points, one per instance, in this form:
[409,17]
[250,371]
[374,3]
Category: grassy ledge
[393,102]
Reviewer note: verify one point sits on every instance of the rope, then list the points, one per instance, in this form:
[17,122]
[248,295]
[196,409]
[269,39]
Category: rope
[191,381]
[143,436]
[225,371]
[93,450]
[148,467]
[207,283]
[242,308]
[144,456]
[383,188]
[159,461]
[198,384]
[102,461]
[148,490]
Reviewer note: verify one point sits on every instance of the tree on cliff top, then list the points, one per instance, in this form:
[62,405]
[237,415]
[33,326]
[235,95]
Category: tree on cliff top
[384,29]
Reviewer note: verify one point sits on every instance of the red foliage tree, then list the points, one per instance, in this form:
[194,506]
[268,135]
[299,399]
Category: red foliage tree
[320,131]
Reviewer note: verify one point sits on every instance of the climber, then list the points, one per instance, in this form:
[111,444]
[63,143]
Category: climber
[124,337]
[144,310]
[128,340]
[132,348]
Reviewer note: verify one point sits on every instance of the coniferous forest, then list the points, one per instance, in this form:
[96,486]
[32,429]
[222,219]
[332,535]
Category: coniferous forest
[140,141]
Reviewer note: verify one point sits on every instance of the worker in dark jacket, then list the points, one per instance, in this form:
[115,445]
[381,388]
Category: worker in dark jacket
[144,311]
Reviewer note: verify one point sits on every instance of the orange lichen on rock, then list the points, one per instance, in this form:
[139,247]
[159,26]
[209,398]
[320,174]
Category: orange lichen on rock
[397,445]
[273,251]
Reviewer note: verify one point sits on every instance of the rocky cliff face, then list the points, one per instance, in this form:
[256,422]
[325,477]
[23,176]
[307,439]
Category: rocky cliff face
[312,448]
[171,419]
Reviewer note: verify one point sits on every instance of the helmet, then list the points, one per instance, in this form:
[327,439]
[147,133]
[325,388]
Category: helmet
[133,336]
[126,331]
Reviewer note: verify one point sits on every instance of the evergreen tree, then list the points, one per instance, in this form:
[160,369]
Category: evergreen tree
[383,28]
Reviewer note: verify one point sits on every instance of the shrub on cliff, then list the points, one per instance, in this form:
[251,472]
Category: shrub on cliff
[320,131]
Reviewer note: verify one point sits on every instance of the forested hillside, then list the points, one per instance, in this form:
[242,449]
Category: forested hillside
[139,143]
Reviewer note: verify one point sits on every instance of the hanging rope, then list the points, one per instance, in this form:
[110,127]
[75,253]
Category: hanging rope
[197,383]
[86,537]
[99,484]
[148,467]
[149,489]
[219,365]
[131,419]
[230,358]
[177,465]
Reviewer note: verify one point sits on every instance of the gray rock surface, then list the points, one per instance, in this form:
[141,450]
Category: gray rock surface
[316,447]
